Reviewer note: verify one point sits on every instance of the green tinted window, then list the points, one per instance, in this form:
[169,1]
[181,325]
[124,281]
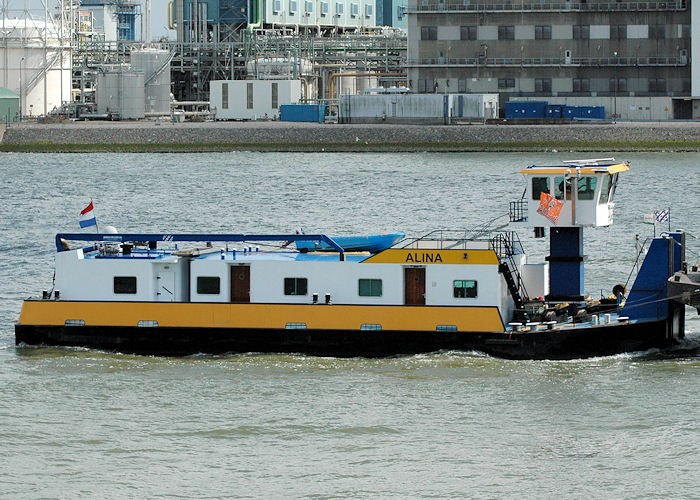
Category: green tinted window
[370,287]
[586,188]
[295,286]
[539,185]
[559,183]
[209,285]
[464,289]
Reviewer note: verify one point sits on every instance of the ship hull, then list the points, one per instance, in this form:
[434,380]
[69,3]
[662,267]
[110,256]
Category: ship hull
[569,343]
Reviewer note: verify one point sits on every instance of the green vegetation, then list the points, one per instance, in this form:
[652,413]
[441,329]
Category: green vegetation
[601,146]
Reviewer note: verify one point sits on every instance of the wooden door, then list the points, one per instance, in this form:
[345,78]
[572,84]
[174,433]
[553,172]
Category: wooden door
[414,285]
[240,283]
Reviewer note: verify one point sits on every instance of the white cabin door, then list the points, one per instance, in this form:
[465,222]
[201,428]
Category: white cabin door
[166,286]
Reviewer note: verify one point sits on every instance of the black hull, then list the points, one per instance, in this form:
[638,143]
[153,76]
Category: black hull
[169,341]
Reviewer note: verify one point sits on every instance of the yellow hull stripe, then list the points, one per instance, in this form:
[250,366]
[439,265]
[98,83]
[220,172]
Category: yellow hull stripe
[419,257]
[224,315]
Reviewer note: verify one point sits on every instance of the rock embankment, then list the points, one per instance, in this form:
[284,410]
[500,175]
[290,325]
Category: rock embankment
[283,136]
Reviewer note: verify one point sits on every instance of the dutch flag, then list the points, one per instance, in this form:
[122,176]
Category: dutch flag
[87,216]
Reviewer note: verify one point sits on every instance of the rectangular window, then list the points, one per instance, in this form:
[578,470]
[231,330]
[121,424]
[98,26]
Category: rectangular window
[618,31]
[446,328]
[462,85]
[539,185]
[506,83]
[582,85]
[657,85]
[339,8]
[208,285]
[582,32]
[249,90]
[426,85]
[464,289]
[543,85]
[368,10]
[586,187]
[559,183]
[292,6]
[275,103]
[295,326]
[276,6]
[543,32]
[467,32]
[506,32]
[308,7]
[370,287]
[295,286]
[657,31]
[125,284]
[354,9]
[224,96]
[618,85]
[324,8]
[605,189]
[428,33]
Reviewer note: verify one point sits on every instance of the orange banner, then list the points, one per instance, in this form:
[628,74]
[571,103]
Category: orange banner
[550,207]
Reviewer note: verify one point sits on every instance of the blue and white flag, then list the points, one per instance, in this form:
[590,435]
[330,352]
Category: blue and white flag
[87,216]
[662,215]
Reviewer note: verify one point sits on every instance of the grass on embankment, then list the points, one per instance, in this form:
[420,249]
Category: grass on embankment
[601,146]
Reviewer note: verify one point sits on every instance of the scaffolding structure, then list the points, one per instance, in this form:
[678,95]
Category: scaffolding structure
[195,64]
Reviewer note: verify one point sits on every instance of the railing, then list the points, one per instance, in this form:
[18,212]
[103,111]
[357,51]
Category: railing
[518,211]
[580,6]
[549,61]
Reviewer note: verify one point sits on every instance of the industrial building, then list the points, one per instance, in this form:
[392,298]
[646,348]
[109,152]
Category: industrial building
[570,48]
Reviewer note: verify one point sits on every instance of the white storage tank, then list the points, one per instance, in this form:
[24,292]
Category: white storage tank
[120,91]
[155,66]
[36,64]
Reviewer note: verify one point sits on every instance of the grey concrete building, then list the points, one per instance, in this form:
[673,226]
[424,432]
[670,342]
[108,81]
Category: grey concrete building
[560,48]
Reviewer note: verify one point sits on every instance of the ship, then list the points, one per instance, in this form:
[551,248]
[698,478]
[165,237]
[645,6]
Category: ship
[471,291]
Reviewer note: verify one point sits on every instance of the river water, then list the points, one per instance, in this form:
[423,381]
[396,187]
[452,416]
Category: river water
[78,423]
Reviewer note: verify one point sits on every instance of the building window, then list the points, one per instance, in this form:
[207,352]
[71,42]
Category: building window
[370,287]
[618,85]
[539,185]
[276,6]
[462,85]
[324,8]
[657,31]
[308,7]
[618,31]
[543,32]
[125,284]
[657,85]
[354,9]
[543,85]
[274,93]
[426,85]
[467,32]
[249,92]
[295,286]
[464,289]
[506,83]
[339,8]
[428,33]
[582,85]
[582,32]
[368,10]
[685,30]
[292,6]
[208,285]
[506,32]
[224,96]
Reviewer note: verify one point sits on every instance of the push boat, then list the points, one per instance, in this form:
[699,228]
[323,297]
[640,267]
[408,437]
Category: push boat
[181,294]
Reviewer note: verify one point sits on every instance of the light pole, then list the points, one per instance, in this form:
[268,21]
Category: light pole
[20,88]
[615,90]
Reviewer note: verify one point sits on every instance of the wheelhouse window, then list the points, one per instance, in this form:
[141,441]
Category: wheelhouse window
[295,286]
[125,284]
[208,285]
[605,189]
[539,185]
[586,187]
[464,289]
[561,184]
[370,287]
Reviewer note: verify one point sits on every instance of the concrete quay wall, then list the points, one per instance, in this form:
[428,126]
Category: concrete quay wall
[308,136]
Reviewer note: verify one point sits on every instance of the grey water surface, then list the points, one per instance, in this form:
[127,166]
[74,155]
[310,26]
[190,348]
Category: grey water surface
[80,423]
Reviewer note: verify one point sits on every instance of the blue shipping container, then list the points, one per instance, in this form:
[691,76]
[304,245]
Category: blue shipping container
[553,111]
[571,112]
[526,109]
[303,113]
[593,112]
